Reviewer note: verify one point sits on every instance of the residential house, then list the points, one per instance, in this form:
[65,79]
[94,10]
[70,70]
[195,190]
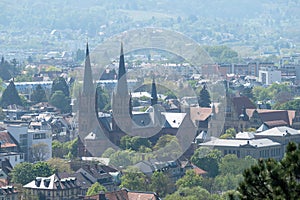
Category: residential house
[8,193]
[52,188]
[10,149]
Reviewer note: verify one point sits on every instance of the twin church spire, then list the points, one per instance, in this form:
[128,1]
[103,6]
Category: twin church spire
[122,87]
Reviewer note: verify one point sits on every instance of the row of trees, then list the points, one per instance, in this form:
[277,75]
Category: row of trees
[59,97]
[136,149]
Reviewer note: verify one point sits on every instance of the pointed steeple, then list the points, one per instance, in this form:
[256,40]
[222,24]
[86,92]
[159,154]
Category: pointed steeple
[153,93]
[88,86]
[122,88]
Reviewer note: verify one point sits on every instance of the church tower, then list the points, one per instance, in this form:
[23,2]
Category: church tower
[87,113]
[121,100]
[154,97]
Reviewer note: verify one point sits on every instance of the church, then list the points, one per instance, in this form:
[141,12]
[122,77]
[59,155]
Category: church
[97,133]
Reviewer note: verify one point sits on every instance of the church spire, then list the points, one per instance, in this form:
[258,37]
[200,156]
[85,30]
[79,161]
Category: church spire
[122,87]
[153,93]
[88,86]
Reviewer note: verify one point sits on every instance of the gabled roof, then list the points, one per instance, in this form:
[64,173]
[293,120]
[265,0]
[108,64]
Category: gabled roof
[200,113]
[245,135]
[7,140]
[279,132]
[274,117]
[52,182]
[174,119]
[239,143]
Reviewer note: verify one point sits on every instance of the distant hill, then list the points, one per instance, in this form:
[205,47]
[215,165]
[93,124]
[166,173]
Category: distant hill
[247,22]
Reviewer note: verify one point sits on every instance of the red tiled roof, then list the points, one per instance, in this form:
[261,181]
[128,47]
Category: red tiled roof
[199,113]
[141,196]
[6,140]
[276,123]
[274,116]
[198,170]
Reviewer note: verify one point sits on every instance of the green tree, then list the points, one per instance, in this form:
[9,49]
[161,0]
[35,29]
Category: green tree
[227,182]
[190,179]
[108,152]
[204,98]
[38,95]
[271,179]
[4,70]
[194,193]
[60,84]
[95,189]
[133,179]
[72,147]
[163,141]
[134,143]
[10,96]
[231,164]
[207,159]
[122,158]
[60,165]
[160,183]
[289,105]
[39,151]
[42,169]
[22,173]
[61,101]
[58,149]
[229,133]
[25,172]
[103,100]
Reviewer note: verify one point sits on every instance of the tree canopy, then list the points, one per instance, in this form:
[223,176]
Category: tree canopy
[60,83]
[272,179]
[10,96]
[207,159]
[61,101]
[25,172]
[204,97]
[133,179]
[95,189]
[38,95]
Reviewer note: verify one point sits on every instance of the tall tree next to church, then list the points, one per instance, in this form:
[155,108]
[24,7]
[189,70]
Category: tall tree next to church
[60,95]
[38,95]
[10,96]
[204,97]
[60,84]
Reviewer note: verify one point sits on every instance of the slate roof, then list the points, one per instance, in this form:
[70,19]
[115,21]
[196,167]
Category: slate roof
[245,135]
[279,132]
[239,143]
